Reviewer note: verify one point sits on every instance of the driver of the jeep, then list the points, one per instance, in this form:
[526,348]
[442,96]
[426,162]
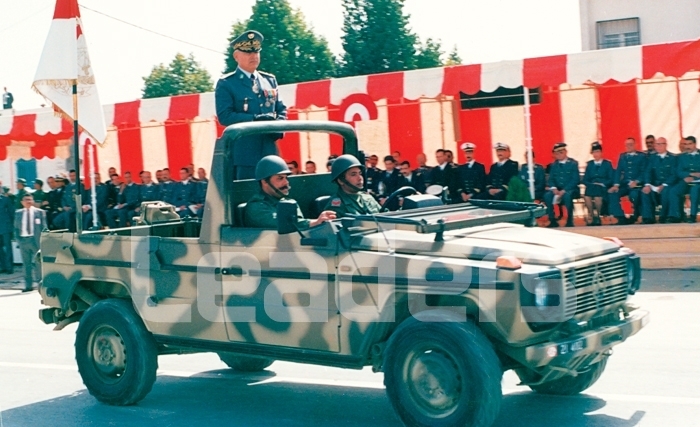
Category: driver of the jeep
[261,210]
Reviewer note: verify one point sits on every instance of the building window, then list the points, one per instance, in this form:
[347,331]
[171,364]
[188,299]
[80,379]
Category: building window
[618,33]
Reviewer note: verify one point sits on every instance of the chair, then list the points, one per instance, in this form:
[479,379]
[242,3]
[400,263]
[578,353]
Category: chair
[318,205]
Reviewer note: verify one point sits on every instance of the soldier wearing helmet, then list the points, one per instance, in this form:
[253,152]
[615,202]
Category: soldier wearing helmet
[272,173]
[350,198]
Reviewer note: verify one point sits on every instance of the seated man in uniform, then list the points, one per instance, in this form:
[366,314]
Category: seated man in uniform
[562,185]
[629,176]
[472,175]
[272,172]
[688,174]
[598,178]
[659,180]
[347,172]
[500,173]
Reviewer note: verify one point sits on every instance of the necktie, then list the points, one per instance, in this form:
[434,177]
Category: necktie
[254,82]
[28,228]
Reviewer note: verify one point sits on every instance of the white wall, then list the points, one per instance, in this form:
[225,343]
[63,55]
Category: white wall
[661,21]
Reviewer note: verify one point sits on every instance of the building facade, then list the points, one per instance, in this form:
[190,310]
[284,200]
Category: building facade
[617,23]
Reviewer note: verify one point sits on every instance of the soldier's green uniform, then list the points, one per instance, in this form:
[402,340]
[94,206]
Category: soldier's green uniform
[357,204]
[261,212]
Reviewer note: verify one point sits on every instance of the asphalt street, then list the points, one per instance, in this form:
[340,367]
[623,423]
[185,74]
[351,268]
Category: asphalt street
[651,380]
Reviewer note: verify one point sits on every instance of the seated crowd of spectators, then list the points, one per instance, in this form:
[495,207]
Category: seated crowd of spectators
[118,200]
[653,181]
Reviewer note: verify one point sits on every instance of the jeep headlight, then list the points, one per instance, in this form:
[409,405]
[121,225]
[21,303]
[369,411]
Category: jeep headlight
[541,291]
[634,274]
[541,299]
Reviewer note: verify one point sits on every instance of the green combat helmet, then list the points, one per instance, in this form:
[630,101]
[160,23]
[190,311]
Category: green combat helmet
[342,164]
[269,166]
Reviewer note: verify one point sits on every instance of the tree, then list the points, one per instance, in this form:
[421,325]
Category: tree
[454,58]
[428,55]
[377,38]
[183,75]
[291,50]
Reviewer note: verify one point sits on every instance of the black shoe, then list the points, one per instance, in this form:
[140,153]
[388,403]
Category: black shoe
[553,224]
[673,220]
[690,221]
[662,220]
[27,290]
[569,224]
[648,221]
[621,220]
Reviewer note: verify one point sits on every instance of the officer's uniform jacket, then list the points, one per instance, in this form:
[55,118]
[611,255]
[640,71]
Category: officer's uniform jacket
[261,212]
[688,163]
[149,193]
[166,191]
[356,204]
[18,197]
[602,174]
[447,177]
[540,179]
[499,175]
[55,198]
[67,198]
[131,196]
[373,176]
[472,179]
[39,196]
[101,197]
[630,167]
[239,100]
[183,193]
[390,181]
[564,176]
[201,193]
[416,181]
[661,170]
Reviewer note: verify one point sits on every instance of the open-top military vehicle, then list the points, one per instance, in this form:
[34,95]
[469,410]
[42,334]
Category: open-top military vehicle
[441,299]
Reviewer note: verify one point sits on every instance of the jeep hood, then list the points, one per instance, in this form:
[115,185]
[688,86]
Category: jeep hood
[540,246]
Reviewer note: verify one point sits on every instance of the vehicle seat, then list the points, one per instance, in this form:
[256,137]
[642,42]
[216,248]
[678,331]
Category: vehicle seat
[240,215]
[318,205]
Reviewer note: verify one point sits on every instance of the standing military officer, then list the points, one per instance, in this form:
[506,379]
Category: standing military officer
[659,179]
[500,173]
[563,184]
[688,173]
[248,95]
[347,172]
[598,178]
[629,176]
[472,175]
[445,175]
[271,172]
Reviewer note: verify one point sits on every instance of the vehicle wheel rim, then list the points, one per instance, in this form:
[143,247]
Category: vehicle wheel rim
[434,381]
[108,353]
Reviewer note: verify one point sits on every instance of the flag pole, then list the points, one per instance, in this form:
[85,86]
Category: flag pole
[76,153]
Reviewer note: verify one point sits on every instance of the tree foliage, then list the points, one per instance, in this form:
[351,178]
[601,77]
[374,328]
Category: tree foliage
[429,54]
[183,75]
[291,49]
[453,58]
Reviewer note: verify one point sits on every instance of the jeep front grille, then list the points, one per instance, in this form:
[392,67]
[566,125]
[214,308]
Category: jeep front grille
[592,288]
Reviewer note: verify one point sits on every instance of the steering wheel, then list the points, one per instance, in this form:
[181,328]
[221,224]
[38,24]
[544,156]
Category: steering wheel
[391,203]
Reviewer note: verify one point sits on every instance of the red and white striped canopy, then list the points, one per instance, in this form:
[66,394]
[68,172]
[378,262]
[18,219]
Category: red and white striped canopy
[603,95]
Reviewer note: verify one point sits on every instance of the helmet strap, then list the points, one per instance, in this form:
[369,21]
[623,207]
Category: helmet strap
[342,178]
[276,190]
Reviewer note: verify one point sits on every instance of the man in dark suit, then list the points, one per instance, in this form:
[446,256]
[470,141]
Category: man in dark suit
[629,176]
[445,175]
[423,167]
[29,223]
[66,219]
[688,174]
[410,178]
[54,206]
[562,185]
[472,175]
[598,178]
[372,174]
[6,217]
[500,173]
[248,95]
[659,179]
[389,179]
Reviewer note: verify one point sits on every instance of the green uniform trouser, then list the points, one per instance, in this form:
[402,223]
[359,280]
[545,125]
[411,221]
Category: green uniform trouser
[355,204]
[261,212]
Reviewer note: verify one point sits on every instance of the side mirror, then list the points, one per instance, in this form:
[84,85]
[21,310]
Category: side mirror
[287,217]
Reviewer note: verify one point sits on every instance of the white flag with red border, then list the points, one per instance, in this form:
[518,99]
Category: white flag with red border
[64,61]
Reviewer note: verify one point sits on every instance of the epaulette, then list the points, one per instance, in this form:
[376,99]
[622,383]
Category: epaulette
[227,75]
[266,74]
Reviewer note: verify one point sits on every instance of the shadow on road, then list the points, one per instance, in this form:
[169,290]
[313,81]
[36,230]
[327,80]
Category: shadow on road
[234,400]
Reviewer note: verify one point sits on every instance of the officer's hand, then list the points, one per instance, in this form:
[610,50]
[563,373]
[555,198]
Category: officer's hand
[466,197]
[614,189]
[325,216]
[688,179]
[494,191]
[633,184]
[646,189]
[661,188]
[264,117]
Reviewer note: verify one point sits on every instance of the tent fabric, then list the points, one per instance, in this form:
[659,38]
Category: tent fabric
[412,112]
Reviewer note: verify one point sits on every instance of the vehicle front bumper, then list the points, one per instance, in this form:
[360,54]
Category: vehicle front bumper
[566,352]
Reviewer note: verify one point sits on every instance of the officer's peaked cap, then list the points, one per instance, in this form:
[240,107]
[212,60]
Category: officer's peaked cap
[249,41]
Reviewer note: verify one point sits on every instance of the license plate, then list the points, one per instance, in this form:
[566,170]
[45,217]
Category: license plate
[571,347]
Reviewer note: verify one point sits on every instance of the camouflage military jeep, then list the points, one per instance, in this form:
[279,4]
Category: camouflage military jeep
[441,299]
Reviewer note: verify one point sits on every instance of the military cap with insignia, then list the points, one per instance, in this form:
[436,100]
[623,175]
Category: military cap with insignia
[596,146]
[467,146]
[22,181]
[250,41]
[501,146]
[559,146]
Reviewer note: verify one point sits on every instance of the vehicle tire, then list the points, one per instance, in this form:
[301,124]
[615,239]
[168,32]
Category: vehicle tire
[245,363]
[117,356]
[442,373]
[570,385]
